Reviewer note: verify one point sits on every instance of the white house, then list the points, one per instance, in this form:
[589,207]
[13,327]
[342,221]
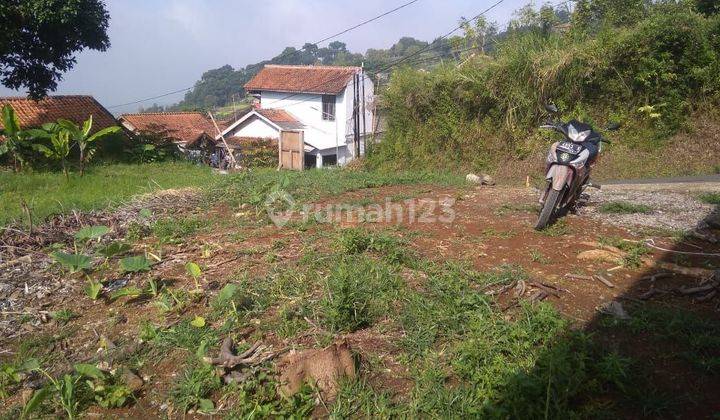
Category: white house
[318,100]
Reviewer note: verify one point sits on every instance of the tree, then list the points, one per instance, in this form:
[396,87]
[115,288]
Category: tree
[85,141]
[591,15]
[59,148]
[39,40]
[14,137]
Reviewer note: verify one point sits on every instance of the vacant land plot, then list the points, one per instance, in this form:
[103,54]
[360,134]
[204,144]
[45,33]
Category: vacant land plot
[451,305]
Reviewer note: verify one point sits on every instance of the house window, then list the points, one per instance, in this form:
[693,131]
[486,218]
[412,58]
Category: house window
[328,107]
[329,160]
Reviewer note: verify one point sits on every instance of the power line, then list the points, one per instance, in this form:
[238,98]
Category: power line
[400,61]
[428,48]
[281,56]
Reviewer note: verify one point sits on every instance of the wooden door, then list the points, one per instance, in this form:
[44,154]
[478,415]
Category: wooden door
[292,150]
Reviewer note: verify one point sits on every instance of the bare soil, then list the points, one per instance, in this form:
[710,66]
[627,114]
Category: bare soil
[493,226]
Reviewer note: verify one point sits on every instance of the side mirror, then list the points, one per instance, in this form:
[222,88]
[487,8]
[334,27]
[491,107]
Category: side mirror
[551,108]
[613,126]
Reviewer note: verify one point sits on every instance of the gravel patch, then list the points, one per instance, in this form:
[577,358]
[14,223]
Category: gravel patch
[670,210]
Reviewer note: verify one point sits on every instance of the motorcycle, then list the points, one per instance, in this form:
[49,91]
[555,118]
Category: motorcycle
[569,164]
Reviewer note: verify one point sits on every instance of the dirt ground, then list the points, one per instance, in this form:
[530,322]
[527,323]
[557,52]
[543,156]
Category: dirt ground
[492,227]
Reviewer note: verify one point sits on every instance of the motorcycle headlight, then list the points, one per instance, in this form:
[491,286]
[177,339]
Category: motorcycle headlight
[565,157]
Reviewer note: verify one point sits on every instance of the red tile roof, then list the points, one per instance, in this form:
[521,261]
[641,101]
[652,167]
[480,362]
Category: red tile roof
[74,108]
[280,117]
[185,127]
[306,79]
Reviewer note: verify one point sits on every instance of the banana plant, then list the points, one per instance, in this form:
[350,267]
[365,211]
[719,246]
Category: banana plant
[85,141]
[59,144]
[14,137]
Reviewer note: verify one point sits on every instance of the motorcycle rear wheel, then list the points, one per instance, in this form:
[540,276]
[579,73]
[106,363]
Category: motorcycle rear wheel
[548,210]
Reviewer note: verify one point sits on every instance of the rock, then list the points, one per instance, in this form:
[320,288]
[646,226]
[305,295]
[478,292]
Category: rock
[473,179]
[322,368]
[484,179]
[614,308]
[600,255]
[130,379]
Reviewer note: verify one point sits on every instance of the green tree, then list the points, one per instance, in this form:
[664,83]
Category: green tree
[14,137]
[85,141]
[39,40]
[59,147]
[591,15]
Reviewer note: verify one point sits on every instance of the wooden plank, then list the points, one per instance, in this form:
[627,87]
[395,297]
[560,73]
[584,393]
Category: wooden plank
[292,150]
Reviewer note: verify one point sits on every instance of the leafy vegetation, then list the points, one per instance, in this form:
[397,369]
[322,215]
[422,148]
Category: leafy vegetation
[72,262]
[134,264]
[487,110]
[89,233]
[39,40]
[428,324]
[84,138]
[15,139]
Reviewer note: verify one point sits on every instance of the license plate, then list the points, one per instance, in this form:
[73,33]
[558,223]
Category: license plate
[568,147]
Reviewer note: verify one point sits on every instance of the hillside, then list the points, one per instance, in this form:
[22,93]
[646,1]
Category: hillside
[654,70]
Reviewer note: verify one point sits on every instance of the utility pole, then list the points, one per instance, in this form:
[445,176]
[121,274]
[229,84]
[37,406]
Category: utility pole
[356,115]
[364,128]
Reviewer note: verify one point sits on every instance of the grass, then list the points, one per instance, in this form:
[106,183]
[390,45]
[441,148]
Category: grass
[357,293]
[710,198]
[47,193]
[307,186]
[538,257]
[171,230]
[194,386]
[463,352]
[624,207]
[559,228]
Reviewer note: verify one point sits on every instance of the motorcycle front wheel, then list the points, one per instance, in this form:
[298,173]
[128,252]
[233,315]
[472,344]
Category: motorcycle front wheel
[548,210]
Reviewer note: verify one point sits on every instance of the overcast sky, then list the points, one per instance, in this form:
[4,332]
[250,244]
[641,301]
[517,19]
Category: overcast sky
[159,46]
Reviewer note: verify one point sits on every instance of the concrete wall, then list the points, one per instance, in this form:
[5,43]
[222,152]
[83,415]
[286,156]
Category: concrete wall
[326,135]
[255,127]
[307,108]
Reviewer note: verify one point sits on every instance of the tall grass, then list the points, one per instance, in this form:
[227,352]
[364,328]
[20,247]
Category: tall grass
[649,77]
